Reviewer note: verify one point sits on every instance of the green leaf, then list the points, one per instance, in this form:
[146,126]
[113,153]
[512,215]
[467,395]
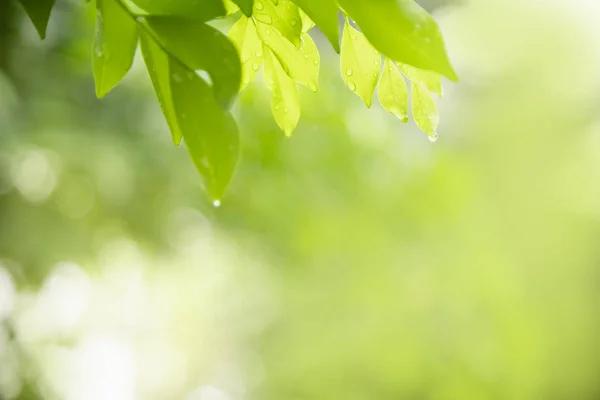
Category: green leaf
[307,23]
[325,15]
[245,6]
[39,13]
[114,45]
[424,110]
[431,80]
[243,35]
[360,64]
[200,47]
[392,91]
[198,10]
[230,7]
[302,65]
[210,134]
[283,15]
[285,104]
[157,63]
[402,31]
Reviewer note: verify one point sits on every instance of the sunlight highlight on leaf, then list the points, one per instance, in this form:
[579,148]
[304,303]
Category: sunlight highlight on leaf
[392,91]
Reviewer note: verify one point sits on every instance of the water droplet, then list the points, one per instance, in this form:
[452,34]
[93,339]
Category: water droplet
[285,110]
[352,37]
[259,5]
[316,62]
[306,56]
[217,203]
[313,86]
[205,76]
[258,54]
[433,138]
[352,86]
[255,67]
[140,20]
[349,72]
[99,51]
[268,31]
[377,62]
[176,77]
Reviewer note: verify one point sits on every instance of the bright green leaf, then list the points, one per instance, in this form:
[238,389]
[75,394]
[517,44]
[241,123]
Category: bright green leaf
[114,45]
[431,80]
[402,31]
[230,7]
[282,15]
[360,64]
[210,134]
[392,91]
[325,15]
[424,110]
[285,104]
[198,10]
[39,13]
[245,5]
[200,47]
[302,65]
[243,35]
[157,63]
[307,23]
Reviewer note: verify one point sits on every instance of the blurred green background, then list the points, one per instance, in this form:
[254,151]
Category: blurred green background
[354,261]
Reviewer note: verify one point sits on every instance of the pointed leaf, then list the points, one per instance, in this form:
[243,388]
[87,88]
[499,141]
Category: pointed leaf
[307,23]
[243,35]
[210,134]
[360,63]
[282,15]
[285,104]
[302,65]
[198,10]
[424,110]
[245,6]
[402,31]
[325,15]
[392,91]
[431,80]
[157,63]
[114,45]
[200,47]
[39,13]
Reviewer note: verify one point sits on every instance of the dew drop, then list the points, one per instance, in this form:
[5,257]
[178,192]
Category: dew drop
[352,37]
[285,110]
[255,67]
[433,138]
[352,86]
[259,5]
[268,31]
[316,62]
[217,203]
[377,62]
[258,54]
[140,20]
[176,77]
[349,72]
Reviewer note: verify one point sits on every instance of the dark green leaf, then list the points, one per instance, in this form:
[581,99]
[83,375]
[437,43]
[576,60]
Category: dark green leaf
[210,133]
[402,31]
[157,63]
[245,6]
[325,14]
[39,13]
[198,10]
[200,48]
[114,45]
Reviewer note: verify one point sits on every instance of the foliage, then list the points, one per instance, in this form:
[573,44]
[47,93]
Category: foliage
[197,71]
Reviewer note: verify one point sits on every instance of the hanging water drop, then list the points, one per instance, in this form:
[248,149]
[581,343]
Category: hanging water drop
[352,86]
[433,138]
[217,203]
